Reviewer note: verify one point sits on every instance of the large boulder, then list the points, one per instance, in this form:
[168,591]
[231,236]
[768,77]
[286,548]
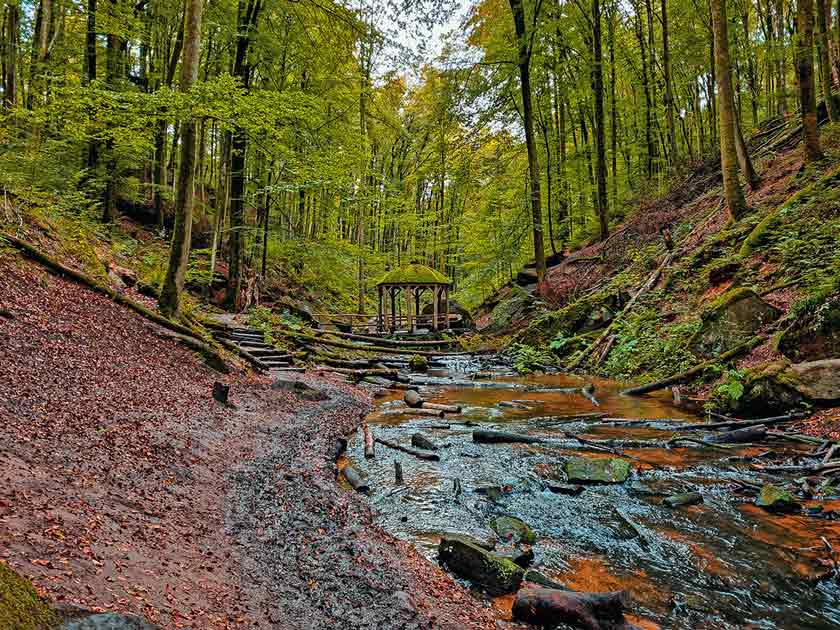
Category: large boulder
[596,469]
[730,320]
[780,387]
[819,381]
[494,574]
[814,335]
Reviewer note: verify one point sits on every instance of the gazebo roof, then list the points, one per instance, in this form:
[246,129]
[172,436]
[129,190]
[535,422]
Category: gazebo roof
[415,273]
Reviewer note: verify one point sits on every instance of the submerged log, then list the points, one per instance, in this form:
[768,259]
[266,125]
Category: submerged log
[484,436]
[370,453]
[551,607]
[741,436]
[433,457]
[421,441]
[685,499]
[442,407]
[435,413]
[355,479]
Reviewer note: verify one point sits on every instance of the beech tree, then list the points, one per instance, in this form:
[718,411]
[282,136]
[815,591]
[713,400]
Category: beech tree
[805,72]
[734,194]
[181,236]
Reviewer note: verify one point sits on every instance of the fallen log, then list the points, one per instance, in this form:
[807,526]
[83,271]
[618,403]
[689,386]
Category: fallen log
[82,278]
[389,374]
[551,607]
[741,436]
[370,453]
[413,399]
[696,370]
[421,441]
[355,479]
[731,423]
[484,436]
[435,413]
[250,358]
[647,286]
[432,457]
[548,421]
[211,356]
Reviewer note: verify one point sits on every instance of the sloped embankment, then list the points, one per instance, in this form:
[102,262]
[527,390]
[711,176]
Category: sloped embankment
[659,296]
[127,488]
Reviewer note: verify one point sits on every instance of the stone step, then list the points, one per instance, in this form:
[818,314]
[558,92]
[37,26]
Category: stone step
[254,336]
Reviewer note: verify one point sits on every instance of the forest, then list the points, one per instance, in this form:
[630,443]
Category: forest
[419,313]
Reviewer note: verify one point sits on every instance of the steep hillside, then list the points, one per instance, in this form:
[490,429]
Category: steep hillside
[705,285]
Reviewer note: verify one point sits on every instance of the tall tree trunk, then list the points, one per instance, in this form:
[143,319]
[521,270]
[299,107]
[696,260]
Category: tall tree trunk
[669,96]
[823,19]
[613,104]
[179,253]
[90,75]
[649,142]
[781,88]
[600,154]
[12,29]
[735,201]
[524,62]
[248,14]
[805,71]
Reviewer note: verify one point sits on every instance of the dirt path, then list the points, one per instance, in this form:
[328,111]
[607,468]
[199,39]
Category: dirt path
[126,488]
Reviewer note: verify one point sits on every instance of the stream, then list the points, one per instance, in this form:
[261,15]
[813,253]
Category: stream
[723,564]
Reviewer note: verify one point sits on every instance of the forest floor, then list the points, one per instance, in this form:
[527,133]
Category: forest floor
[127,488]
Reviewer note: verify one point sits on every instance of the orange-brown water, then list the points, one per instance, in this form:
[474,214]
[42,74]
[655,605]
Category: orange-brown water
[723,564]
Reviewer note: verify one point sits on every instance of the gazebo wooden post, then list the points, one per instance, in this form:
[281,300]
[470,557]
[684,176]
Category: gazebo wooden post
[409,310]
[379,324]
[446,307]
[435,299]
[393,292]
[418,291]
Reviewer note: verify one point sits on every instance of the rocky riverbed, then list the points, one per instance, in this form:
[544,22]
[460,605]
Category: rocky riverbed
[717,559]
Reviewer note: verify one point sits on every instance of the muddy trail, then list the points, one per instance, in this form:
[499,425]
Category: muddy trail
[722,563]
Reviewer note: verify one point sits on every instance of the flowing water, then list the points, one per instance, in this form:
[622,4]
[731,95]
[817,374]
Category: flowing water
[722,564]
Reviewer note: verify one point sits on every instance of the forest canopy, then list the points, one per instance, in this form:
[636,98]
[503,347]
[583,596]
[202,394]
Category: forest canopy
[329,142]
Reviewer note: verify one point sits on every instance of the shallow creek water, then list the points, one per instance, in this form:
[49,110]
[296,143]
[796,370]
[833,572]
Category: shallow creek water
[722,564]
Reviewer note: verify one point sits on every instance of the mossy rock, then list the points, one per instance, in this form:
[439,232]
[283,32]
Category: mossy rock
[774,499]
[513,529]
[768,389]
[729,321]
[21,607]
[418,363]
[494,574]
[597,469]
[814,335]
[509,311]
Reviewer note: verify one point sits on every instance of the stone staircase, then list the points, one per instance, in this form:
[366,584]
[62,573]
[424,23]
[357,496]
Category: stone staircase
[252,341]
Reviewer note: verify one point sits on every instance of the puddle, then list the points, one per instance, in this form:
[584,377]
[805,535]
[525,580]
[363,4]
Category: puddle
[723,564]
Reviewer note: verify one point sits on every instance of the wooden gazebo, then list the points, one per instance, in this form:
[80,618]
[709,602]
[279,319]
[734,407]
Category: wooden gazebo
[410,282]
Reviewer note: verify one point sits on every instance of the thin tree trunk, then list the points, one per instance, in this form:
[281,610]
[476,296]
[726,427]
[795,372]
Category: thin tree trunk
[598,92]
[524,62]
[823,19]
[805,71]
[669,96]
[735,201]
[179,253]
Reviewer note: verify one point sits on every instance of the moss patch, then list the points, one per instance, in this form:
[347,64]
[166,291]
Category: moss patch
[21,607]
[414,273]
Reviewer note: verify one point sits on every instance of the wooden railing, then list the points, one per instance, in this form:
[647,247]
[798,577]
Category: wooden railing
[370,323]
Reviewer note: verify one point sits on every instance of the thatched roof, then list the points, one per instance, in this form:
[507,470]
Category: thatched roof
[415,273]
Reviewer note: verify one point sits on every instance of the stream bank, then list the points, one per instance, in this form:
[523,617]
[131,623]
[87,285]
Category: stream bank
[722,563]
